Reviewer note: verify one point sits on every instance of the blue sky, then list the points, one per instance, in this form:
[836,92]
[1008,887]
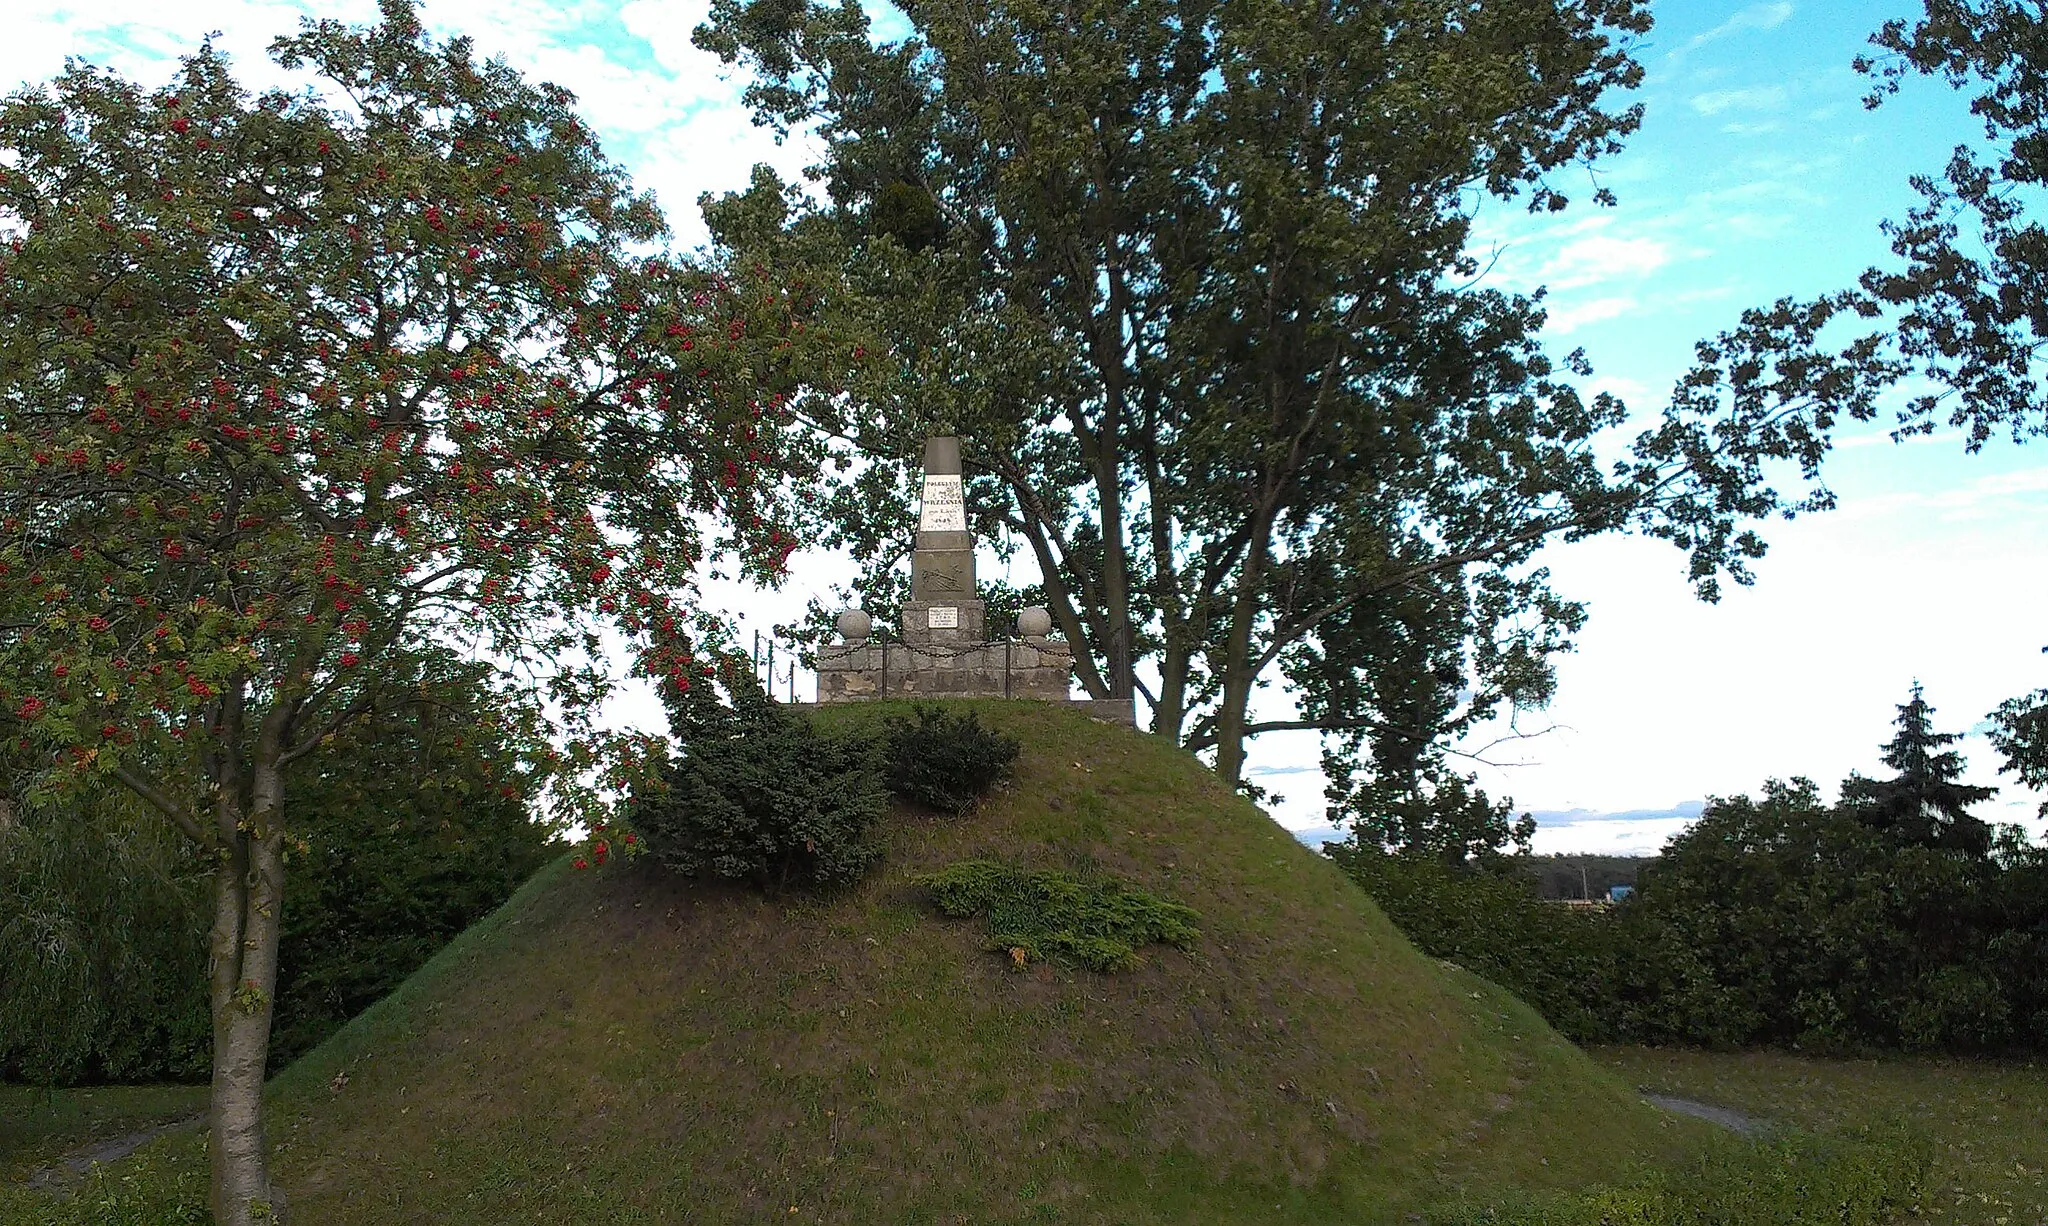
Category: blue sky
[1757,174]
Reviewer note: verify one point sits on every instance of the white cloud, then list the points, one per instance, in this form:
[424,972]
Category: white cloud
[1756,17]
[666,28]
[614,98]
[1564,320]
[1599,258]
[1628,837]
[713,150]
[1751,98]
[1628,391]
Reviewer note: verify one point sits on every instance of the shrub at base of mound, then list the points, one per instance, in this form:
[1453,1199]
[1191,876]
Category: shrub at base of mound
[761,795]
[1094,923]
[946,761]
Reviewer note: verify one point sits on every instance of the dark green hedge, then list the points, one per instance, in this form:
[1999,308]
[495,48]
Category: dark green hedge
[1777,921]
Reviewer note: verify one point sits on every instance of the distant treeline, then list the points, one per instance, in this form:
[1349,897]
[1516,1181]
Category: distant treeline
[1579,876]
[1890,919]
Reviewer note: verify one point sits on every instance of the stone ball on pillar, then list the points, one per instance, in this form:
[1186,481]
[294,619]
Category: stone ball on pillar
[854,625]
[1034,623]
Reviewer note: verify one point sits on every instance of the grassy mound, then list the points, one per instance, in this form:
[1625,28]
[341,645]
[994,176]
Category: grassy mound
[630,1047]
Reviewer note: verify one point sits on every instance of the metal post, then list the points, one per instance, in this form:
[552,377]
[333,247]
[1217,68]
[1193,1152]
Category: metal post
[756,661]
[769,689]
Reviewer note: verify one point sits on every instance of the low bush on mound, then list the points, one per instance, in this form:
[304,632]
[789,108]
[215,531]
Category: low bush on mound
[946,761]
[760,794]
[1046,914]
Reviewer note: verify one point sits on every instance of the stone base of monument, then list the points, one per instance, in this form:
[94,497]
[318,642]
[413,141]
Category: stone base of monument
[1041,670]
[944,650]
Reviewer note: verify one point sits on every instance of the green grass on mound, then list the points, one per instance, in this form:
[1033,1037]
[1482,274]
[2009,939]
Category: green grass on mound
[629,1047]
[626,1047]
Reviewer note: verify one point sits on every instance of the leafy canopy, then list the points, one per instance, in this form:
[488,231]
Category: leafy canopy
[1192,279]
[290,381]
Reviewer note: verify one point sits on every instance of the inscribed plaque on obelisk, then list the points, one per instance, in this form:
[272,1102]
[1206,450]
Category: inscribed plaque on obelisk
[944,508]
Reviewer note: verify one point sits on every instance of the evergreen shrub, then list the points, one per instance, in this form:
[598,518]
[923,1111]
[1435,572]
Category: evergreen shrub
[1037,915]
[946,761]
[760,794]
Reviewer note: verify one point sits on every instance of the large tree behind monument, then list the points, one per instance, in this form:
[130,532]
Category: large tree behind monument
[287,389]
[1194,282]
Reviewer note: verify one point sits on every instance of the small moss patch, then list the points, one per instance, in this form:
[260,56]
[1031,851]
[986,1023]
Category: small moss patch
[1047,914]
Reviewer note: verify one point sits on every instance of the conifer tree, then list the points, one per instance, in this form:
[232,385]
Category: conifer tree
[1925,804]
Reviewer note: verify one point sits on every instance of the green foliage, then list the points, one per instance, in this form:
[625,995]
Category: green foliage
[163,1184]
[294,382]
[1561,960]
[1427,811]
[762,795]
[1779,920]
[1802,1180]
[1363,488]
[412,827]
[944,760]
[102,947]
[2019,731]
[1891,920]
[1096,922]
[1785,920]
[1926,804]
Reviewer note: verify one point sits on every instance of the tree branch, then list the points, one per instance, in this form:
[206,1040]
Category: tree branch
[164,805]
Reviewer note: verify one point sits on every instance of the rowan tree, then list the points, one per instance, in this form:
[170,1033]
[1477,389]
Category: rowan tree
[291,382]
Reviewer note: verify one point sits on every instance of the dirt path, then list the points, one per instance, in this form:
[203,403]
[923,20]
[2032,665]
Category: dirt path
[1726,1117]
[68,1169]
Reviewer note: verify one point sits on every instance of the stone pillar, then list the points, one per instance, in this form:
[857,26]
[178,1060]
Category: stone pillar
[943,608]
[946,651]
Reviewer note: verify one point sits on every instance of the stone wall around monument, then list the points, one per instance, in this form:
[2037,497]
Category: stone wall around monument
[856,672]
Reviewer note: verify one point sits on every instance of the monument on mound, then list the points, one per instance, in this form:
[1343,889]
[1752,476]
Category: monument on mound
[944,650]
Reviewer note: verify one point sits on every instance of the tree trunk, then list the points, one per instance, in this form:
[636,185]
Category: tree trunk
[1230,723]
[248,918]
[1237,673]
[1116,584]
[1170,712]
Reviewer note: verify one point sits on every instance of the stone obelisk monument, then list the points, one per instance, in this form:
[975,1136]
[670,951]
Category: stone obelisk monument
[943,607]
[943,649]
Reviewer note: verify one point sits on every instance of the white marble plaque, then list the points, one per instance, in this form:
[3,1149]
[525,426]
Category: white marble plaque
[942,617]
[944,508]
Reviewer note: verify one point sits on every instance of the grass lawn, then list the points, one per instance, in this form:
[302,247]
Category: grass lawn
[37,1126]
[626,1046]
[1988,1120]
